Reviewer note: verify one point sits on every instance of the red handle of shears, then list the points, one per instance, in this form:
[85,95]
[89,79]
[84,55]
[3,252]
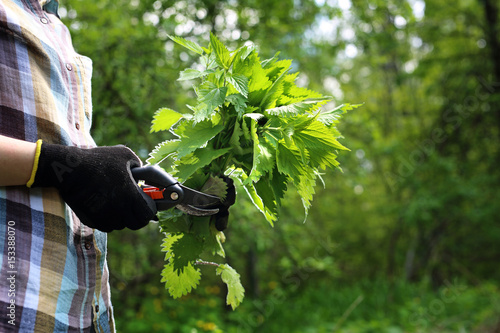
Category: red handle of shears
[154,192]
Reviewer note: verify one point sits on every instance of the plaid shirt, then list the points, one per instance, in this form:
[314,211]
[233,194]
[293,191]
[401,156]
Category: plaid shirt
[54,274]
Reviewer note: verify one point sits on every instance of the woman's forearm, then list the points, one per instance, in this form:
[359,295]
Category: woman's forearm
[16,161]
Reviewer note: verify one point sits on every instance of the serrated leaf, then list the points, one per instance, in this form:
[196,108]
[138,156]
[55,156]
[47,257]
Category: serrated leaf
[297,108]
[234,141]
[317,135]
[164,119]
[328,117]
[180,283]
[300,92]
[172,221]
[269,214]
[210,97]
[289,160]
[242,53]
[271,94]
[231,278]
[265,192]
[321,144]
[305,187]
[162,151]
[200,226]
[274,135]
[264,160]
[215,186]
[278,183]
[277,68]
[222,55]
[263,155]
[189,74]
[322,159]
[244,63]
[239,102]
[186,250]
[245,130]
[190,163]
[187,44]
[166,245]
[240,83]
[208,61]
[196,136]
[271,61]
[258,85]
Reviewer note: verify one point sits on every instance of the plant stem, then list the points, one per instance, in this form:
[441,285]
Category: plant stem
[207,263]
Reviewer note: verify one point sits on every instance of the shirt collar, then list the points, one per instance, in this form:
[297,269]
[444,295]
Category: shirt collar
[50,6]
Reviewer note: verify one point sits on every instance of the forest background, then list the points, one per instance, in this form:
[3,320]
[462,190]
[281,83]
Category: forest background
[406,239]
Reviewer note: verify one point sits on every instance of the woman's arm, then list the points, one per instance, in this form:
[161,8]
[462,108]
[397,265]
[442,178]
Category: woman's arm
[16,161]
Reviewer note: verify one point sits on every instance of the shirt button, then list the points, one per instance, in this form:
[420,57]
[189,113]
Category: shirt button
[69,67]
[97,308]
[77,126]
[88,245]
[44,20]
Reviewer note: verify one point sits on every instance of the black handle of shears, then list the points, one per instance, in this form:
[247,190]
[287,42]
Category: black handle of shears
[152,175]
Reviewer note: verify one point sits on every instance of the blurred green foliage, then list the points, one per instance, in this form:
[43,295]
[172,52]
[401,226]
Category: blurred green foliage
[404,240]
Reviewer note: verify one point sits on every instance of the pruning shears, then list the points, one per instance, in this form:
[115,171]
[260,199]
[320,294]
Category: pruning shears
[167,192]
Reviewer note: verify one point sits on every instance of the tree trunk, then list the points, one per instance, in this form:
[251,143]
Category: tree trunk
[491,32]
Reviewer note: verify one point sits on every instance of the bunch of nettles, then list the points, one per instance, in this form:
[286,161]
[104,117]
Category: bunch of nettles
[252,122]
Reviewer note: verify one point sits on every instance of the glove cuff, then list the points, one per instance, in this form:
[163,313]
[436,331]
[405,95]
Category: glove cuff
[35,163]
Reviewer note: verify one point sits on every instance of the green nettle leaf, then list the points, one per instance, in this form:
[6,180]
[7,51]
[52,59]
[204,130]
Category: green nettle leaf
[239,102]
[278,183]
[317,134]
[263,155]
[163,119]
[208,60]
[235,142]
[231,278]
[250,120]
[190,74]
[180,283]
[276,89]
[215,186]
[332,116]
[240,83]
[221,52]
[264,160]
[200,158]
[163,150]
[289,160]
[186,250]
[187,44]
[297,108]
[258,85]
[196,136]
[166,246]
[172,221]
[269,212]
[210,97]
[305,187]
[265,192]
[240,56]
[278,68]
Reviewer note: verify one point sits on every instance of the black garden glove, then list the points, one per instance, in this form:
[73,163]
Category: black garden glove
[97,184]
[222,217]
